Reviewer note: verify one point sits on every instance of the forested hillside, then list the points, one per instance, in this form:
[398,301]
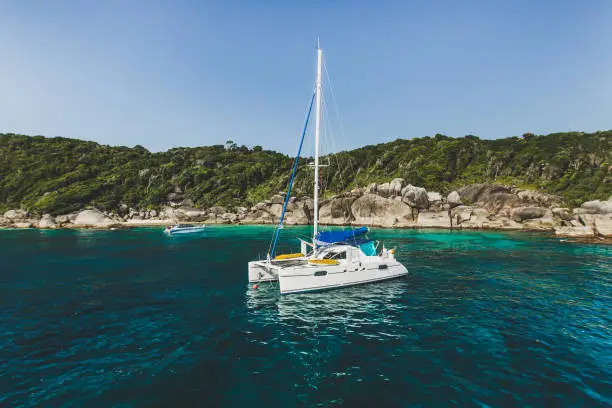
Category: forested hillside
[60,175]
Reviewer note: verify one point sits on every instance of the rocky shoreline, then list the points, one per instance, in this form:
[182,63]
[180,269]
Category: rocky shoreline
[391,205]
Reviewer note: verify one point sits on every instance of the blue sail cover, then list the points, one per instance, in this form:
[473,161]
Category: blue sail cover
[330,237]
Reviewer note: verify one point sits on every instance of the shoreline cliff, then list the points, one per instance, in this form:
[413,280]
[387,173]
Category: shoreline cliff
[395,204]
[560,183]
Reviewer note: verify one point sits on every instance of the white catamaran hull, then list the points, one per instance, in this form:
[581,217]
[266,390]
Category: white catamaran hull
[317,277]
[262,271]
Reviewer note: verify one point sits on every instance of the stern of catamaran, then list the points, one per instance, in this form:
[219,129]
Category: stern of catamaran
[262,271]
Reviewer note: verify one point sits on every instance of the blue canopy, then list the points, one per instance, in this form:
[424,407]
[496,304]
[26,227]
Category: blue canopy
[340,236]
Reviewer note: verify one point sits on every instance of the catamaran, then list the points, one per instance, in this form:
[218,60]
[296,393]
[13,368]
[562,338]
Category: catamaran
[333,259]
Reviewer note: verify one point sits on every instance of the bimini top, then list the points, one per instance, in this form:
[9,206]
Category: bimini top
[330,237]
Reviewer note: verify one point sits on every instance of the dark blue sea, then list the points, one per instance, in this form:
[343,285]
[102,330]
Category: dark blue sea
[132,318]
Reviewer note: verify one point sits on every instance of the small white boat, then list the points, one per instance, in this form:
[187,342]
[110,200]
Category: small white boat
[184,229]
[333,259]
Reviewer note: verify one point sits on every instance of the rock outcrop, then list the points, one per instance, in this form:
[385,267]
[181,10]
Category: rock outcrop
[462,214]
[391,189]
[527,213]
[415,197]
[371,209]
[436,202]
[182,213]
[47,221]
[571,231]
[66,218]
[593,218]
[562,213]
[545,221]
[93,218]
[338,210]
[453,199]
[603,225]
[433,196]
[433,220]
[592,207]
[538,198]
[24,224]
[494,207]
[392,204]
[16,215]
[493,197]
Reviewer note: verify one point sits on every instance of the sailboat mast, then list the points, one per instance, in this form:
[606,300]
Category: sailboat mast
[317,131]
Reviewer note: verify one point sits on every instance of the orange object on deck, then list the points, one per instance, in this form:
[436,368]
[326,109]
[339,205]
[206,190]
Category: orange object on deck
[288,256]
[323,262]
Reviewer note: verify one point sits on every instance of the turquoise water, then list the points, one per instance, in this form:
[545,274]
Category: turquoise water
[132,318]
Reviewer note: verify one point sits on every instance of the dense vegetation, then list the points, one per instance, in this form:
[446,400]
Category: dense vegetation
[60,175]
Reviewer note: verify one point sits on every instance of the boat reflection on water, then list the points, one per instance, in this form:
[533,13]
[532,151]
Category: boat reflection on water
[313,329]
[356,305]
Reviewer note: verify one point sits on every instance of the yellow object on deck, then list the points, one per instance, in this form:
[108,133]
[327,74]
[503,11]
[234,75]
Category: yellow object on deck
[323,261]
[288,256]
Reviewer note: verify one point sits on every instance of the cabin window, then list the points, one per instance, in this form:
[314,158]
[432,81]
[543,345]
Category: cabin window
[320,273]
[383,266]
[335,255]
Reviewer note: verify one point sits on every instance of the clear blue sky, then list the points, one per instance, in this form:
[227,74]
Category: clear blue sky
[186,73]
